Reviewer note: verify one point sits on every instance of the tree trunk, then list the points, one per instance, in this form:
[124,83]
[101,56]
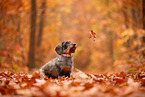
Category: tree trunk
[31,55]
[134,18]
[143,5]
[18,30]
[125,17]
[110,39]
[110,46]
[41,24]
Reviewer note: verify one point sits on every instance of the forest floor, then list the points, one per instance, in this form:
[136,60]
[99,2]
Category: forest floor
[80,84]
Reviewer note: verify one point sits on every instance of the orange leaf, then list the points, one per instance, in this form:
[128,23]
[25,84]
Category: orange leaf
[92,35]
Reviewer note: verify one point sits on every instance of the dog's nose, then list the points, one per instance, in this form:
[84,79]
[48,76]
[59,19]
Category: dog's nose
[74,44]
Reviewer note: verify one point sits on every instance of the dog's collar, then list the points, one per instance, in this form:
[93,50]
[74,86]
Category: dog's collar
[66,55]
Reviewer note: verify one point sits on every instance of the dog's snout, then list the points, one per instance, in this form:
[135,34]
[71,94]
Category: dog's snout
[74,44]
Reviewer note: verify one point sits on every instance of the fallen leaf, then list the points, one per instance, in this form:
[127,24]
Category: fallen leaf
[131,82]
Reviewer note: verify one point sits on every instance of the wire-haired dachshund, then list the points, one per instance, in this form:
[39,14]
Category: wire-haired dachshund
[61,65]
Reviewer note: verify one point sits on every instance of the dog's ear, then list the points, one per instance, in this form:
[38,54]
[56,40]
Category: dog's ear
[59,49]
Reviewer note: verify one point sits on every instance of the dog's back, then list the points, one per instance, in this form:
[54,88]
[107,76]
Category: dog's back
[50,68]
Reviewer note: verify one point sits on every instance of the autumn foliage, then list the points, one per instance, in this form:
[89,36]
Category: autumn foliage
[117,24]
[110,55]
[80,84]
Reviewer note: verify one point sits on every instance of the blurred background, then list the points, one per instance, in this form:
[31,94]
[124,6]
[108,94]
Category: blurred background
[31,29]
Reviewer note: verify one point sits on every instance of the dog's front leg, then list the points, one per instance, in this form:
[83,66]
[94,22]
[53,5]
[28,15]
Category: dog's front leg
[68,74]
[59,73]
[42,74]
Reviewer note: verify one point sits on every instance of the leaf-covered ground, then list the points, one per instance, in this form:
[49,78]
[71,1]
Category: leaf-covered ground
[79,85]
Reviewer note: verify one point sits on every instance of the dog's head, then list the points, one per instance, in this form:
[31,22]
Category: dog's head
[65,47]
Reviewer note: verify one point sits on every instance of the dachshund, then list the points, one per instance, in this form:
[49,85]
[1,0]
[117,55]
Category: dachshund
[61,65]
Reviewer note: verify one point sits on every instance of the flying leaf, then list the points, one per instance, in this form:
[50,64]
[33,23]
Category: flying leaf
[92,35]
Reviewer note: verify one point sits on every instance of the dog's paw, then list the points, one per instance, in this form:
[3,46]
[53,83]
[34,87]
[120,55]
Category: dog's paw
[42,74]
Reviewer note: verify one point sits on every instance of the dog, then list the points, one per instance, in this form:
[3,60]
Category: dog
[61,65]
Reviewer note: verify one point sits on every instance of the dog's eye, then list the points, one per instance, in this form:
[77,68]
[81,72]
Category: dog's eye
[65,46]
[67,43]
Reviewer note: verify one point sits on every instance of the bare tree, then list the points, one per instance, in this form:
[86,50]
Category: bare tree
[143,5]
[31,55]
[41,23]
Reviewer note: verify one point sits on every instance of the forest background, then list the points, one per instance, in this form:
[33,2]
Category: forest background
[31,29]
